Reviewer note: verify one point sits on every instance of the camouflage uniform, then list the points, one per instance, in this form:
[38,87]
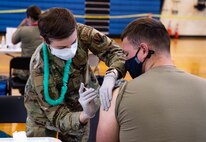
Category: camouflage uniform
[44,119]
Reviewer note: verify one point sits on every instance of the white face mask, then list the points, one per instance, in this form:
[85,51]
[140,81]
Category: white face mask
[65,53]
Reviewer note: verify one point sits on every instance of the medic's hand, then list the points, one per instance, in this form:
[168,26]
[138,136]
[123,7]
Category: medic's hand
[87,96]
[105,91]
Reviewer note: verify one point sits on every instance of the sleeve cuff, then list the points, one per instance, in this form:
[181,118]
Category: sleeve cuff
[114,71]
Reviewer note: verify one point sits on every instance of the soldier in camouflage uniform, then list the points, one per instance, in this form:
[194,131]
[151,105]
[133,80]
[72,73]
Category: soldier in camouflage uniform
[44,119]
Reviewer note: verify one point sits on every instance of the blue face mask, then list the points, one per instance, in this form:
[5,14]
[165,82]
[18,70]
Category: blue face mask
[134,66]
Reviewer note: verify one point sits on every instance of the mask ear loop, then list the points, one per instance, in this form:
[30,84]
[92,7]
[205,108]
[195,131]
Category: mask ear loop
[137,60]
[150,53]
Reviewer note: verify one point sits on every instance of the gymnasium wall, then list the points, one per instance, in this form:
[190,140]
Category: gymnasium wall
[14,19]
[130,7]
[189,20]
[78,7]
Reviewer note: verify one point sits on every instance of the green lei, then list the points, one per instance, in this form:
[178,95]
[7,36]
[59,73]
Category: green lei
[46,79]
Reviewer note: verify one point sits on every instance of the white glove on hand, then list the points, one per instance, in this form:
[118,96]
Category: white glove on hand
[105,90]
[86,100]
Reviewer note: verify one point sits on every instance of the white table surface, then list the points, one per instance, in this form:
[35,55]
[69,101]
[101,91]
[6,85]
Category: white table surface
[10,50]
[34,139]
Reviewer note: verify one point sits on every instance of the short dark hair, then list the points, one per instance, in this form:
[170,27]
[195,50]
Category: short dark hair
[148,30]
[33,12]
[56,23]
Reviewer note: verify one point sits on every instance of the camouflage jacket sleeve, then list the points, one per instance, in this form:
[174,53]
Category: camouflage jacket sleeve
[102,46]
[60,117]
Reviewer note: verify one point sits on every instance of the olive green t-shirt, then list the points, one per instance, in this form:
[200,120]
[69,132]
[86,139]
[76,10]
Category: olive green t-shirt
[29,37]
[162,105]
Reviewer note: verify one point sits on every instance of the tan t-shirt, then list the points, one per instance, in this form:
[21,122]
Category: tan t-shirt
[163,105]
[29,37]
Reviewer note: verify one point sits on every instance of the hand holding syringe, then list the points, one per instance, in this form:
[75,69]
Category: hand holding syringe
[86,99]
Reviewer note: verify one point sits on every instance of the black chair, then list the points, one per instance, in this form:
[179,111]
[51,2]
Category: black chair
[93,127]
[15,82]
[12,109]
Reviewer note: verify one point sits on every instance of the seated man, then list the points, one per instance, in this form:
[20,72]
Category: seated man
[161,103]
[28,34]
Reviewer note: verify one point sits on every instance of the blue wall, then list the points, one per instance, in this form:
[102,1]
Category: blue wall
[117,7]
[14,19]
[129,7]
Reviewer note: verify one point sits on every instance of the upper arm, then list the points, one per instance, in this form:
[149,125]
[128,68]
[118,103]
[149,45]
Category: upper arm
[108,51]
[105,48]
[108,129]
[16,36]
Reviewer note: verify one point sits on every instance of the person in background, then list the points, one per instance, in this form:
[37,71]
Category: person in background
[62,93]
[162,102]
[28,34]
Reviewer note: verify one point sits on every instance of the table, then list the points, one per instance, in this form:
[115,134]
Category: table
[32,139]
[10,50]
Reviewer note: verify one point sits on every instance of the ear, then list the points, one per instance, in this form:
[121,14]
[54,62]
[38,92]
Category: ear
[144,50]
[42,38]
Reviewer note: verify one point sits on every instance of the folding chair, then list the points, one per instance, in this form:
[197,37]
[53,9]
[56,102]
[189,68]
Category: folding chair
[12,109]
[12,115]
[17,63]
[93,127]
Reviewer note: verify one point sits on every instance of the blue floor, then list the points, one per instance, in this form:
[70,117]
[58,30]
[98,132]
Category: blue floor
[4,135]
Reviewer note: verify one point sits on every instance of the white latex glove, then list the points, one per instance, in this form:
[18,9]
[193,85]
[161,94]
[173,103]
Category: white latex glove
[105,90]
[86,99]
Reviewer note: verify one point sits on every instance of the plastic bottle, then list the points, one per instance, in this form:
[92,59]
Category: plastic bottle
[2,42]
